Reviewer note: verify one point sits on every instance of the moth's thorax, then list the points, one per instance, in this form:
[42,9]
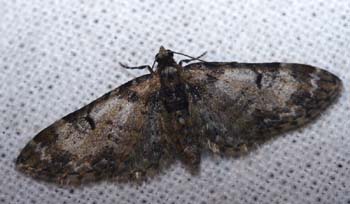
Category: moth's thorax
[173,90]
[169,74]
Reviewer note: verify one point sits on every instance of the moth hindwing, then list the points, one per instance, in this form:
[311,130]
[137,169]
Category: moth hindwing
[177,112]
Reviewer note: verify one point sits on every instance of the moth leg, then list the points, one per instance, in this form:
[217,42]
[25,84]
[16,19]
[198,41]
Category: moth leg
[138,67]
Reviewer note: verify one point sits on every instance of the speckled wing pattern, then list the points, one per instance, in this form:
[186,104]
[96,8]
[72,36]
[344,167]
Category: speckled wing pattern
[177,113]
[109,138]
[241,105]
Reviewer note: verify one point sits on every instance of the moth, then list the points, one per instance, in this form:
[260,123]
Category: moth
[176,113]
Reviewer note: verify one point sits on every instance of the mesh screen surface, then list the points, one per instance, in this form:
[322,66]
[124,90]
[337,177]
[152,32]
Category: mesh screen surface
[56,56]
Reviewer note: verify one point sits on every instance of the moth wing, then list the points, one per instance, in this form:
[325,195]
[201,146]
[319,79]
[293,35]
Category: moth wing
[236,106]
[116,136]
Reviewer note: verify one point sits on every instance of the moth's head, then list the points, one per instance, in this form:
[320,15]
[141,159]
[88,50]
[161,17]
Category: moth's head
[164,56]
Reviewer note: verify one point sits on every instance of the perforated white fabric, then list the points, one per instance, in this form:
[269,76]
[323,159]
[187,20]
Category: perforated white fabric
[56,56]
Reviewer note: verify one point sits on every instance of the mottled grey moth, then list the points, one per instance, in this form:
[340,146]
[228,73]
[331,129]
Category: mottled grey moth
[175,113]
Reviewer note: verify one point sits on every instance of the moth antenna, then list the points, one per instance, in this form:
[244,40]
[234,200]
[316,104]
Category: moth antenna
[191,58]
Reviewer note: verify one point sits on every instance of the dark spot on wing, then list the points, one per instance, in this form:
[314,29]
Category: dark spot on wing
[91,122]
[71,118]
[211,78]
[302,72]
[128,94]
[105,163]
[258,79]
[195,92]
[57,166]
[133,96]
[46,136]
[265,119]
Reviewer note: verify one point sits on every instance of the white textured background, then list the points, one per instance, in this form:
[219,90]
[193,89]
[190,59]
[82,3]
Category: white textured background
[56,56]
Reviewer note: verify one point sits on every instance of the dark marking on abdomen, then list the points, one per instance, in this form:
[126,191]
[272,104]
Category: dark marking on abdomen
[174,100]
